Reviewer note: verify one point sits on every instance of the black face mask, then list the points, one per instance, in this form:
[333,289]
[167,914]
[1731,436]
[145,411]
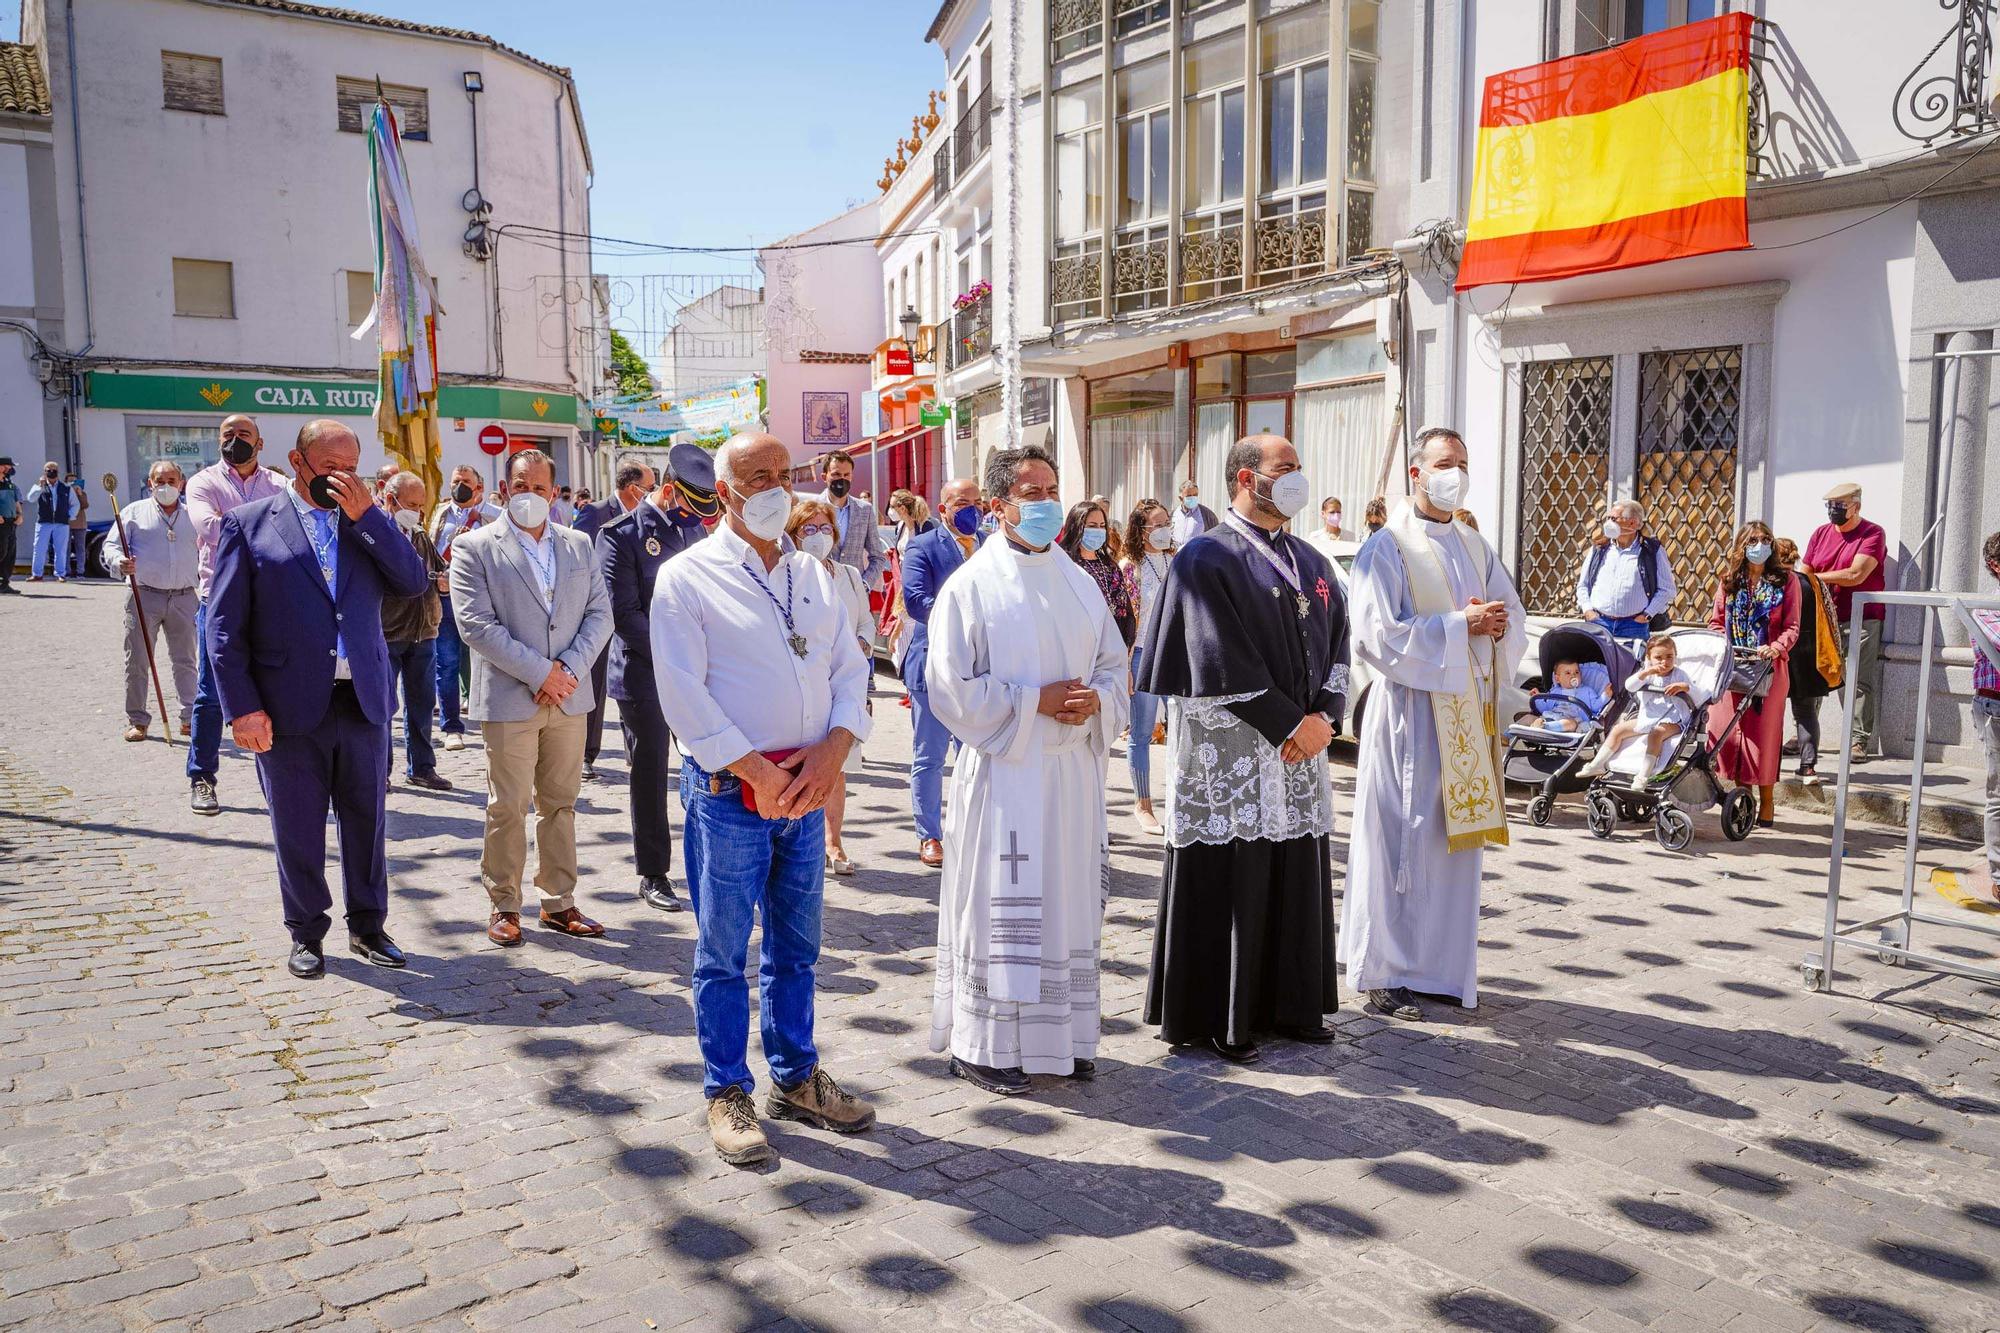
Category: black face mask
[838,489]
[461,494]
[320,487]
[1837,512]
[237,452]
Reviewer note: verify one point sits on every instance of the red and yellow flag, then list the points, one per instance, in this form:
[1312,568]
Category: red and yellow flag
[1621,157]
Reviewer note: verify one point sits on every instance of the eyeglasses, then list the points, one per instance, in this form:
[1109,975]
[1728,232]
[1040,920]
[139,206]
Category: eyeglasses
[813,529]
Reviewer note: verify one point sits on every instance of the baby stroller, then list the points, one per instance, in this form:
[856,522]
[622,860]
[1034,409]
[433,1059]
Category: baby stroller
[1683,782]
[1542,757]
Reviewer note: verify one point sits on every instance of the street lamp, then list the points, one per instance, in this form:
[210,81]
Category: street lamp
[473,82]
[911,322]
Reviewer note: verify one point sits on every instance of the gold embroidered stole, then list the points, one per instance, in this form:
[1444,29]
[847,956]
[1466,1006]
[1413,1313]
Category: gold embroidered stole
[1475,808]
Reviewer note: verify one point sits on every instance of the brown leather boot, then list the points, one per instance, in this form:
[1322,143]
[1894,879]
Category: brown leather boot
[732,1126]
[819,1101]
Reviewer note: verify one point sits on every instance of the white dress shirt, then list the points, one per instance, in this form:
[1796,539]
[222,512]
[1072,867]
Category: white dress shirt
[729,682]
[1187,525]
[452,519]
[1620,589]
[161,543]
[541,553]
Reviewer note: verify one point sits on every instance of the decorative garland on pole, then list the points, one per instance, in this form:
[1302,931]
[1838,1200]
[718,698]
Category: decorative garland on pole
[1007,340]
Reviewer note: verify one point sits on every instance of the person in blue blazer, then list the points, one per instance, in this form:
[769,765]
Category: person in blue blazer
[631,483]
[630,551]
[295,636]
[928,561]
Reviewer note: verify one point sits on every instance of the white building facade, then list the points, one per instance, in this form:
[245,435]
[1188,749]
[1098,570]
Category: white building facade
[1742,385]
[716,339]
[822,312]
[246,119]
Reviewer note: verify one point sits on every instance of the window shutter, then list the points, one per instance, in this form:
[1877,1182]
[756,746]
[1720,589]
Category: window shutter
[355,98]
[204,288]
[360,296]
[191,83]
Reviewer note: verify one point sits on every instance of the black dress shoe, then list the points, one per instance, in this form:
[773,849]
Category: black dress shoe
[1396,1003]
[306,961]
[1313,1036]
[377,948]
[590,772]
[429,781]
[1005,1082]
[657,892]
[1237,1053]
[1083,1070]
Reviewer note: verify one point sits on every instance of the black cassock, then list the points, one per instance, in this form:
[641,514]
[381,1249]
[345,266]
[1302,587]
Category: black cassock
[1244,943]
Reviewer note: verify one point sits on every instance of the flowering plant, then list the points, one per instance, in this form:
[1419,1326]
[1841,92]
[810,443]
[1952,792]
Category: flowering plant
[980,291]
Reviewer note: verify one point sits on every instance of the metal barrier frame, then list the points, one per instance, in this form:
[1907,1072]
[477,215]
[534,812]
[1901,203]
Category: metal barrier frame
[1893,944]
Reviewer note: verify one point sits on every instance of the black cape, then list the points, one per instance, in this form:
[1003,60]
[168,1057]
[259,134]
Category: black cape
[1244,944]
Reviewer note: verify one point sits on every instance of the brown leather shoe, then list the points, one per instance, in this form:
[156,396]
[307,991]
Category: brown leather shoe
[931,853]
[504,929]
[135,733]
[571,922]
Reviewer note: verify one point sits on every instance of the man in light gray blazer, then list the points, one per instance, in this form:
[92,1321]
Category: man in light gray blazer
[531,607]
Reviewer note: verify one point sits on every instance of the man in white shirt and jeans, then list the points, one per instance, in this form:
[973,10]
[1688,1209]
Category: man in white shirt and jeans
[764,686]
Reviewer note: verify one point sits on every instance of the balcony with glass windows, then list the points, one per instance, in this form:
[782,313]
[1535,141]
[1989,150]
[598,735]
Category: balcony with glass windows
[971,332]
[973,134]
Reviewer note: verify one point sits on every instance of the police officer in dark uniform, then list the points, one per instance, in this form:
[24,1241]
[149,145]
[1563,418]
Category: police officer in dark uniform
[630,551]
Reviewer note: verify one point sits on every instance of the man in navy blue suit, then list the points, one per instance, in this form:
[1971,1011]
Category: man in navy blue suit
[630,551]
[295,633]
[632,481]
[929,560]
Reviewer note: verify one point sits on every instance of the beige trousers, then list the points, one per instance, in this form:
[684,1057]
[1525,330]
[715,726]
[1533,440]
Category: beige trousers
[168,614]
[533,766]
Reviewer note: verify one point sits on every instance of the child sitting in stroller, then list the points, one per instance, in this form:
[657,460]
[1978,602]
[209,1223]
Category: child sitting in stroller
[1661,708]
[1577,695]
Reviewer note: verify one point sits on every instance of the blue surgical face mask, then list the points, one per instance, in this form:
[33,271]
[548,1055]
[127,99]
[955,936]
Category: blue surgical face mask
[1040,522]
[965,521]
[1094,538]
[1757,553]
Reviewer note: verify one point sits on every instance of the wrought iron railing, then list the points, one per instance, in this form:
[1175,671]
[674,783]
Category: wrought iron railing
[1212,254]
[1291,240]
[1935,103]
[1075,26]
[1139,269]
[973,133]
[972,332]
[924,347]
[1076,282]
[941,172]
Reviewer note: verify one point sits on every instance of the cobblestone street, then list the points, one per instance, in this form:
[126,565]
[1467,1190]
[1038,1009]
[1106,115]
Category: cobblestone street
[1647,1122]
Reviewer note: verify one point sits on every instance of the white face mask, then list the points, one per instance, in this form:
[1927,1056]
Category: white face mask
[1446,487]
[528,510]
[408,520]
[1332,522]
[1611,529]
[818,545]
[765,513]
[164,495]
[1160,538]
[1290,492]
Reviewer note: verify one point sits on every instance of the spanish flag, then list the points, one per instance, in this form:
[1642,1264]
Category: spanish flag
[1622,157]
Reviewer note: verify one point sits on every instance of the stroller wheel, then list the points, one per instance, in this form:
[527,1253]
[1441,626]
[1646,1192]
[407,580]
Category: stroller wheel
[1601,813]
[1739,814]
[1674,827]
[1540,809]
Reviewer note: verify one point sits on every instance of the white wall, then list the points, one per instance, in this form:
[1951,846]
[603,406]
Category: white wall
[716,340]
[276,189]
[17,242]
[827,299]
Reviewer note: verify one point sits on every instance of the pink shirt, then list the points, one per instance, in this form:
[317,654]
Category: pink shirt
[213,492]
[1984,676]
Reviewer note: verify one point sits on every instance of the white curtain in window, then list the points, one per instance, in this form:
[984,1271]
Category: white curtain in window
[1214,432]
[1339,435]
[1133,457]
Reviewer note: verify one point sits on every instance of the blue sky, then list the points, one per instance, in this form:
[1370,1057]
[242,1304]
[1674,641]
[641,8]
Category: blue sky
[716,122]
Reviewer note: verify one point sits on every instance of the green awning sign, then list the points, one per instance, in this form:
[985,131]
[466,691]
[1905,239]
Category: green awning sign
[933,413]
[356,398]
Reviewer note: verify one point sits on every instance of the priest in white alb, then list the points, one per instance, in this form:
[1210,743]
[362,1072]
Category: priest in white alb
[1028,670]
[1437,619]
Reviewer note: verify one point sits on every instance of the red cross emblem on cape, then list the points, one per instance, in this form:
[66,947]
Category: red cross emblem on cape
[1325,593]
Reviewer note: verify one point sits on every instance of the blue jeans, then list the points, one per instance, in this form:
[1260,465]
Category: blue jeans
[414,662]
[1139,750]
[930,741]
[206,742]
[739,864]
[449,649]
[51,548]
[1628,627]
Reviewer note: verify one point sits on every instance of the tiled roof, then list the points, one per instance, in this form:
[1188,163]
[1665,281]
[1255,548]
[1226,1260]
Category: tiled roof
[398,25]
[23,91]
[943,17]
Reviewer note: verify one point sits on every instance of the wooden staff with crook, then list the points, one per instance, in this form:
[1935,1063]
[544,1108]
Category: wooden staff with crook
[139,607]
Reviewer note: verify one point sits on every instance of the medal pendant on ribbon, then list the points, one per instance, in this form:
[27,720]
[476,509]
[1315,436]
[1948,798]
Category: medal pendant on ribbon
[1303,605]
[652,546]
[798,643]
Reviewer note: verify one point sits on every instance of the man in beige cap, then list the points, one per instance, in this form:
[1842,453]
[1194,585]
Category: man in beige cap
[1851,555]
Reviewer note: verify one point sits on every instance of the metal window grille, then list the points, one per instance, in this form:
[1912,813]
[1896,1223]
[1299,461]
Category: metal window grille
[1690,413]
[1565,474]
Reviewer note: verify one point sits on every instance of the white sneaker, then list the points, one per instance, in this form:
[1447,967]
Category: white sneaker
[1638,782]
[453,741]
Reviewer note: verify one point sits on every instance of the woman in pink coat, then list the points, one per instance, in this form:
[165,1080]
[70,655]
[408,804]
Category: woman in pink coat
[1758,605]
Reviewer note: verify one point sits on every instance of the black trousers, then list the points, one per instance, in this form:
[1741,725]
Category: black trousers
[593,732]
[10,538]
[338,764]
[646,738]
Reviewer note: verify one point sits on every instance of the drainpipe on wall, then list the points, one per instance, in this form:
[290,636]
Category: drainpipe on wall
[72,447]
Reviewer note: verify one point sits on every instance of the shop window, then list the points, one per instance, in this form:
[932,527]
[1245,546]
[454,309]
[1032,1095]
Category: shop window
[204,288]
[1270,372]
